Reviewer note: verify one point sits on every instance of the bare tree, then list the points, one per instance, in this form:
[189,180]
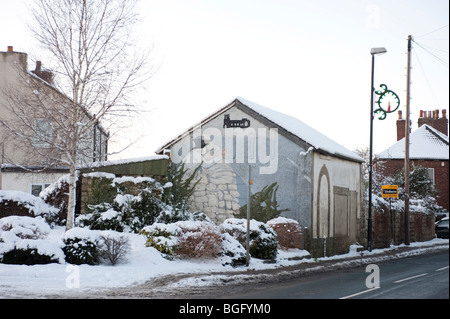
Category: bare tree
[96,70]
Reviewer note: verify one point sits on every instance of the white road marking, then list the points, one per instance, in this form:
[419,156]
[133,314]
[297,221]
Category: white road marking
[409,278]
[359,293]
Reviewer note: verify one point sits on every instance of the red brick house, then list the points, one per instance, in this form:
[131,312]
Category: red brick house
[428,148]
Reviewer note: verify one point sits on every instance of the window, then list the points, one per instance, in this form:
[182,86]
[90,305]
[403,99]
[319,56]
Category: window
[431,174]
[43,133]
[36,189]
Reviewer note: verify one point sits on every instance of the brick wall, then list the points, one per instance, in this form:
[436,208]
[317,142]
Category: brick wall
[390,227]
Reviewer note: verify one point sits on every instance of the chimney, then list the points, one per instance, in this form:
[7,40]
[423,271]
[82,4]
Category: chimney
[38,66]
[400,126]
[432,119]
[10,49]
[47,76]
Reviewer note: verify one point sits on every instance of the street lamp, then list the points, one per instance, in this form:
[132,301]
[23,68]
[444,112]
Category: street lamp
[373,52]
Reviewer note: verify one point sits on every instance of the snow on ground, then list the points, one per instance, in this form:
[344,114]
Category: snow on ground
[143,263]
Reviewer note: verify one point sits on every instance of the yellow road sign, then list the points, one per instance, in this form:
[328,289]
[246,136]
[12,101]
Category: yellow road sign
[389,191]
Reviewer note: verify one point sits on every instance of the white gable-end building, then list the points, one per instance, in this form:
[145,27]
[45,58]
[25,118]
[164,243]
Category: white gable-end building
[320,182]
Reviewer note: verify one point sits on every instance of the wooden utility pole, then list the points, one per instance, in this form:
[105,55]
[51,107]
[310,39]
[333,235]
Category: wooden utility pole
[407,130]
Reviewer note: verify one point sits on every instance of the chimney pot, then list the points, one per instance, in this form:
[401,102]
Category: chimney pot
[10,48]
[429,114]
[38,66]
[421,113]
[400,115]
[437,114]
[444,113]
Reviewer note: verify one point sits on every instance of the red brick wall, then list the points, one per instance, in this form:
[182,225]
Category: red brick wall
[389,227]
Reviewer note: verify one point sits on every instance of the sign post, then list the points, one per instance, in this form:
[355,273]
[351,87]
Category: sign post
[390,191]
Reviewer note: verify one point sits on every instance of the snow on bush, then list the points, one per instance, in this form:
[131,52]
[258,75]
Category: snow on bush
[233,253]
[25,227]
[86,246]
[162,237]
[198,240]
[289,232]
[80,246]
[24,204]
[23,241]
[114,247]
[185,239]
[57,195]
[263,242]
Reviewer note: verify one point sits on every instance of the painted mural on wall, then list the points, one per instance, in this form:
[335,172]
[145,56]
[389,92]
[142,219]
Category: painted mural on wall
[216,192]
[224,155]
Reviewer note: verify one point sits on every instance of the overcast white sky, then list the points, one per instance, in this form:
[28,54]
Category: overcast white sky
[309,59]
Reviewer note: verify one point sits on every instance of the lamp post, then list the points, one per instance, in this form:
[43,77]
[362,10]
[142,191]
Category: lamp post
[373,52]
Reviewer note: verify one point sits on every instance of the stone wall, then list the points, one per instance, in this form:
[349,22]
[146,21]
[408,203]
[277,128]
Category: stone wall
[216,192]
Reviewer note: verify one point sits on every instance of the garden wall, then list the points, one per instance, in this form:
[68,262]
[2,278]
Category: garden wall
[389,227]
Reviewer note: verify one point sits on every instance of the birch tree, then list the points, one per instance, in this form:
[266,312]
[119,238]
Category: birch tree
[96,70]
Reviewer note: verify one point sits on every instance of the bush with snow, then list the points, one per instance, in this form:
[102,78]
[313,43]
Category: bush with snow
[289,232]
[263,242]
[233,253]
[80,246]
[162,237]
[25,227]
[113,247]
[57,195]
[23,241]
[198,240]
[16,203]
[185,239]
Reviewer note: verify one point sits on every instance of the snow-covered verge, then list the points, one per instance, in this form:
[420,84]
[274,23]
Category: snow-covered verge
[142,264]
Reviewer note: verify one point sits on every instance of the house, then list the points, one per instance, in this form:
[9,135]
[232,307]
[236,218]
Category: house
[428,148]
[29,161]
[320,181]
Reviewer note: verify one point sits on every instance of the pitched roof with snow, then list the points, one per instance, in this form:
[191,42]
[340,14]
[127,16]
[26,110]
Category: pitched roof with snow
[426,143]
[288,123]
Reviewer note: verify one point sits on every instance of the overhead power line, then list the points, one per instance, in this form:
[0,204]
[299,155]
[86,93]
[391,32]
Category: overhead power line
[420,36]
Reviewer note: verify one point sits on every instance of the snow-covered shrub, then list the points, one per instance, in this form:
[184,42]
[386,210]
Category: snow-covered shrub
[25,227]
[233,253]
[80,246]
[162,237]
[263,242]
[102,217]
[289,232]
[113,247]
[198,240]
[179,188]
[23,241]
[170,215]
[33,252]
[57,195]
[184,239]
[16,203]
[122,203]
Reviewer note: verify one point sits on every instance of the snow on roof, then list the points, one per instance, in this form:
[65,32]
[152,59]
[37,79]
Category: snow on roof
[125,161]
[293,125]
[303,131]
[425,143]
